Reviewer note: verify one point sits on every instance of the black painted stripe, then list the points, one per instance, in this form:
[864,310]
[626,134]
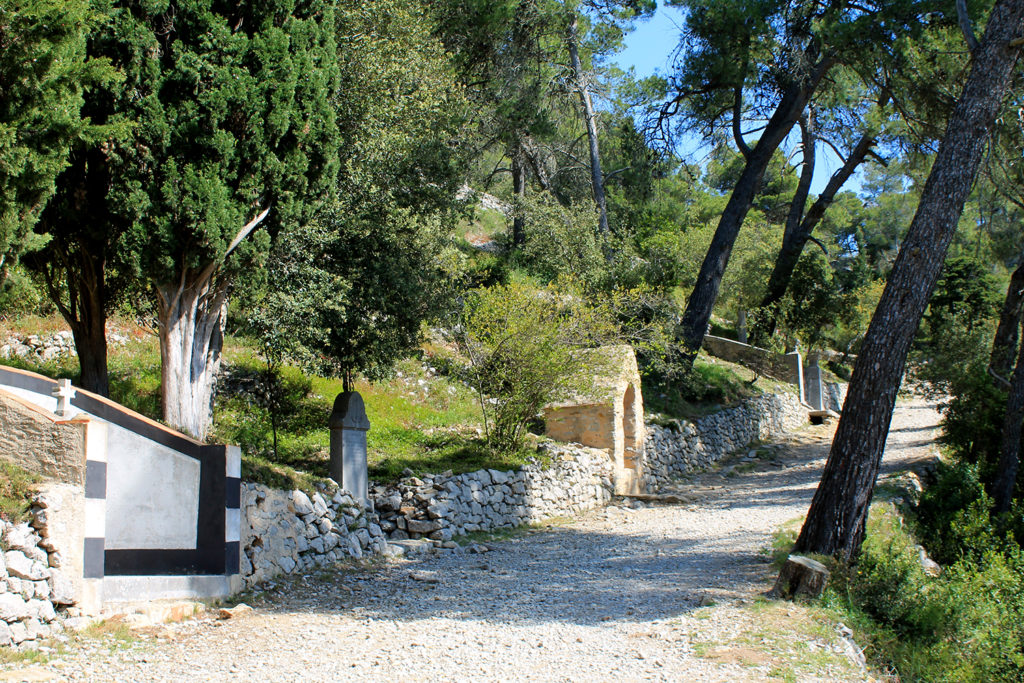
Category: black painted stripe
[231,558]
[95,479]
[233,493]
[145,562]
[93,560]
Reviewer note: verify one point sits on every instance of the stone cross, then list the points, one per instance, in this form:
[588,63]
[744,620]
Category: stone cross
[349,424]
[63,392]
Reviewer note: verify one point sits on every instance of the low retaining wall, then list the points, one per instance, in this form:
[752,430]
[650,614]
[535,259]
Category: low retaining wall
[762,361]
[288,531]
[39,581]
[440,507]
[683,446]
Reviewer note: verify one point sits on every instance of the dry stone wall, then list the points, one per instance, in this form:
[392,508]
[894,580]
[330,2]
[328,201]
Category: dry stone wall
[683,446]
[289,531]
[46,347]
[570,479]
[37,595]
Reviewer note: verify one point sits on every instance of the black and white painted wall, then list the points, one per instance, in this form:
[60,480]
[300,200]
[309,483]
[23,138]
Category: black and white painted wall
[161,510]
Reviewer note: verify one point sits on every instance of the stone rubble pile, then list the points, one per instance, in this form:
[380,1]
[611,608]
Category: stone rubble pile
[289,531]
[571,480]
[36,597]
[48,347]
[683,447]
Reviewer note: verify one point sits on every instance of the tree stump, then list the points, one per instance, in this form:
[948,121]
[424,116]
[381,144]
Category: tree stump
[800,577]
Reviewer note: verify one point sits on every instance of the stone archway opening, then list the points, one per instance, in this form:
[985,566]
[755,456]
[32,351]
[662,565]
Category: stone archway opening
[609,417]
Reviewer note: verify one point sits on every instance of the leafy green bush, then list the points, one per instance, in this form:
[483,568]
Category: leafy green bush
[525,348]
[967,624]
[19,295]
[558,240]
[951,517]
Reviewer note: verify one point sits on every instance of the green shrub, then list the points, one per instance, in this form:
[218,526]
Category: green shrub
[525,348]
[16,485]
[19,295]
[558,240]
[967,624]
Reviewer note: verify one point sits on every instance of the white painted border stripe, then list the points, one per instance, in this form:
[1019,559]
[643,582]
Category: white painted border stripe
[95,518]
[96,440]
[233,462]
[232,525]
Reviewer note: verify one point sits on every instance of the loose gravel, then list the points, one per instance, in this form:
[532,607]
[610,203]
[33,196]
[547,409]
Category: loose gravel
[622,593]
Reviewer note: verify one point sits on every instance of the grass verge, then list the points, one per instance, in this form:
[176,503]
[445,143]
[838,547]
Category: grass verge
[16,486]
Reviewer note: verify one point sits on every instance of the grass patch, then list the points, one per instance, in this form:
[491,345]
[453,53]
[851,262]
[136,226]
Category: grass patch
[787,642]
[963,625]
[783,542]
[712,384]
[10,656]
[16,486]
[420,420]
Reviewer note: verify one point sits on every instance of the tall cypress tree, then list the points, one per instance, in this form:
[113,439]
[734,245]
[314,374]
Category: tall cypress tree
[233,108]
[43,73]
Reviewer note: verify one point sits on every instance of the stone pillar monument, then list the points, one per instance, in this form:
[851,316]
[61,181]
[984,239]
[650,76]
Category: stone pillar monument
[796,369]
[813,384]
[348,424]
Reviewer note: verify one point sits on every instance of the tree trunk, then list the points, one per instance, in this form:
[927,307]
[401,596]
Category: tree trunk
[590,119]
[836,520]
[90,335]
[788,256]
[191,336]
[1009,447]
[705,292]
[73,265]
[1004,344]
[519,190]
[794,240]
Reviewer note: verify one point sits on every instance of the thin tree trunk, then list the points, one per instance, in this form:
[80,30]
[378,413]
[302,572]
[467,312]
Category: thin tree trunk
[1004,344]
[73,264]
[705,292]
[191,322]
[838,514]
[1009,447]
[794,241]
[590,119]
[519,190]
[90,334]
[790,252]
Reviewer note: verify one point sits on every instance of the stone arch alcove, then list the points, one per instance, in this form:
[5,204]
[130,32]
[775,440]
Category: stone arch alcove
[610,417]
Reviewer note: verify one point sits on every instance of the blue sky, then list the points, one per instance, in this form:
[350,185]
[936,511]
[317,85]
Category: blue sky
[649,49]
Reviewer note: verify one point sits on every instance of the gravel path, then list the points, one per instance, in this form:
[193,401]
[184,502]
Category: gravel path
[616,594]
